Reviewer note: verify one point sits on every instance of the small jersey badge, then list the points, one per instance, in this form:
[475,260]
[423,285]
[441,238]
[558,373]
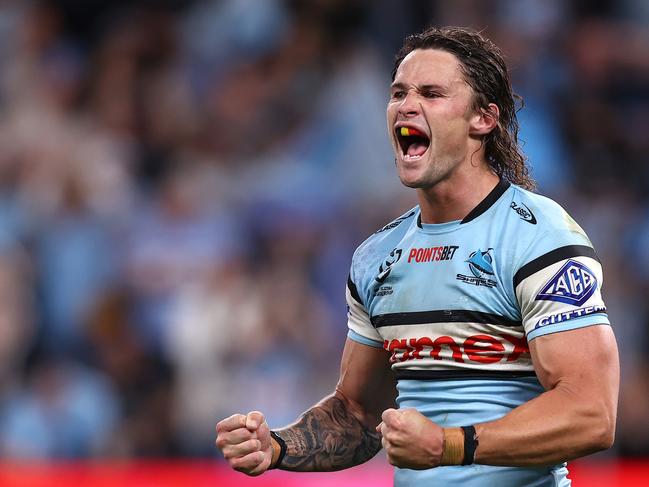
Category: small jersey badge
[386,267]
[573,284]
[481,266]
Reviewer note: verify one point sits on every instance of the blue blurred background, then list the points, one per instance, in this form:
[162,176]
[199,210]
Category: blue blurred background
[182,185]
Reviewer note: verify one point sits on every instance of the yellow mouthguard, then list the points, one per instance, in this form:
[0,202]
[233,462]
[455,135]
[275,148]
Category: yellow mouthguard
[406,132]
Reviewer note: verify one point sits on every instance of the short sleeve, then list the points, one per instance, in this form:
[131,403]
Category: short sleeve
[358,319]
[561,290]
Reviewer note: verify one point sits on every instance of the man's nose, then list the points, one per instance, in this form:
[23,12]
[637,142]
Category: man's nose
[409,105]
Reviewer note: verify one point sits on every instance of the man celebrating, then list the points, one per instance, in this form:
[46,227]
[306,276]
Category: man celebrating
[483,303]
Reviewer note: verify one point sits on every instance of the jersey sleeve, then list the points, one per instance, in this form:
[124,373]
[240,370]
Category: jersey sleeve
[560,289]
[358,319]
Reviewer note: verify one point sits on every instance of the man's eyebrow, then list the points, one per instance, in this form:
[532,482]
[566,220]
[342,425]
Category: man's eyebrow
[431,87]
[427,87]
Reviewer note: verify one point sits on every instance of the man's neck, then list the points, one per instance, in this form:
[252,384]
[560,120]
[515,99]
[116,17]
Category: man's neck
[454,198]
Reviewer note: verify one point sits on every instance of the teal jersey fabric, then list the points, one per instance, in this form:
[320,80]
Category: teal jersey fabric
[456,304]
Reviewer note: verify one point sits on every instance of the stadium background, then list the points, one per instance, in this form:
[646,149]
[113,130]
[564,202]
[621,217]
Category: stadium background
[182,185]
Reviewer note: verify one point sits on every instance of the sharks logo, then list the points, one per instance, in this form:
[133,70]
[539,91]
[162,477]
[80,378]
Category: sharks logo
[480,263]
[481,266]
[573,284]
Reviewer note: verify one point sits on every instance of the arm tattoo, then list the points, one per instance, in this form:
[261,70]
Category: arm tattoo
[328,437]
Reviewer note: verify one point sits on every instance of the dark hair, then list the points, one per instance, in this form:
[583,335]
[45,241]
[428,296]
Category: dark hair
[485,71]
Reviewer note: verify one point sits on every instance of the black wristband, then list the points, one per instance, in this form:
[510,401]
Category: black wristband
[470,444]
[282,449]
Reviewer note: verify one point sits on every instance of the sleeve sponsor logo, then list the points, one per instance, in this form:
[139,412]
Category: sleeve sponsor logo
[524,213]
[573,284]
[569,315]
[481,266]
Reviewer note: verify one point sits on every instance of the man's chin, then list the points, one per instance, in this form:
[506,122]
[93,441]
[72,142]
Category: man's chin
[411,184]
[414,182]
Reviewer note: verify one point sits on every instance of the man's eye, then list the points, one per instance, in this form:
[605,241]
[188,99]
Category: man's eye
[431,94]
[397,95]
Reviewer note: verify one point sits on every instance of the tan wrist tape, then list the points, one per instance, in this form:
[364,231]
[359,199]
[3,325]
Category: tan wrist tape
[453,447]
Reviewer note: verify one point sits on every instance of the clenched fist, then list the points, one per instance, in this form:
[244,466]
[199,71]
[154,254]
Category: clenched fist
[410,439]
[245,442]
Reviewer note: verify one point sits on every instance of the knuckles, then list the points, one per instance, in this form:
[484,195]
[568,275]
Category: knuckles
[220,442]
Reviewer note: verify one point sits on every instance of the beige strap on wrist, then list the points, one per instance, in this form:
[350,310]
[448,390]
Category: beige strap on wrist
[453,447]
[276,452]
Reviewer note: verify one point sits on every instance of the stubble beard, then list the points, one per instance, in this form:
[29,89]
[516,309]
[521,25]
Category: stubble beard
[436,172]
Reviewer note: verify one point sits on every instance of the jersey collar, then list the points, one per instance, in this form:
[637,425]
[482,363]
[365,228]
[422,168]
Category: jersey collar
[484,205]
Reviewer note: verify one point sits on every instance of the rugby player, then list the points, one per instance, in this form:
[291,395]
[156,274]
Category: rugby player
[481,307]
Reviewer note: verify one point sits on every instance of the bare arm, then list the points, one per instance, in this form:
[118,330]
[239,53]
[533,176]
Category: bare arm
[574,417]
[336,433]
[339,432]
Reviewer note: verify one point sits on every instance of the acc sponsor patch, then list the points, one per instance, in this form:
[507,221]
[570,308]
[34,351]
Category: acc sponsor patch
[573,284]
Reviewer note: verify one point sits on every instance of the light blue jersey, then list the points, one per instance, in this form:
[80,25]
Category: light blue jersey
[455,305]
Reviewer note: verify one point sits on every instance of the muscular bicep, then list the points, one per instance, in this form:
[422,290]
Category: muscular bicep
[366,381]
[583,361]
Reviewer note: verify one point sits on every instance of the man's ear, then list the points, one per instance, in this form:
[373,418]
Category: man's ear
[484,120]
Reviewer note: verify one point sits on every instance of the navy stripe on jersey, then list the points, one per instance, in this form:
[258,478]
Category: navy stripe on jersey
[442,316]
[410,374]
[353,289]
[553,257]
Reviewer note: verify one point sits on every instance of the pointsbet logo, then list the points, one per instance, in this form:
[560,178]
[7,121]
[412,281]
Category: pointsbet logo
[431,254]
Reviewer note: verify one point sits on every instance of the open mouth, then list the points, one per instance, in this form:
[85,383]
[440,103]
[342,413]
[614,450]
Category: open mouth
[413,143]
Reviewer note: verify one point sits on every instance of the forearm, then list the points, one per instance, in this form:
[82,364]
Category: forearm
[559,425]
[332,435]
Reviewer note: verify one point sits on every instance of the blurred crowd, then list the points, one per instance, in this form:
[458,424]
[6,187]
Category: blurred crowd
[183,183]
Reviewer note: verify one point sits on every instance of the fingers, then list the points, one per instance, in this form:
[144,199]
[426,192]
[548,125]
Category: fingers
[237,450]
[392,417]
[410,440]
[251,464]
[236,437]
[231,423]
[254,420]
[245,442]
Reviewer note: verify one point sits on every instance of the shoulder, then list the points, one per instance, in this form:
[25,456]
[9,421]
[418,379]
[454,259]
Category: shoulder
[388,234]
[379,245]
[556,237]
[543,223]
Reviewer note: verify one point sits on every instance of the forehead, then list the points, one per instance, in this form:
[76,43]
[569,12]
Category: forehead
[429,66]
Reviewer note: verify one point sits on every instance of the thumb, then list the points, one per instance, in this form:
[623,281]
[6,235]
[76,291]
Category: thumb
[263,435]
[254,420]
